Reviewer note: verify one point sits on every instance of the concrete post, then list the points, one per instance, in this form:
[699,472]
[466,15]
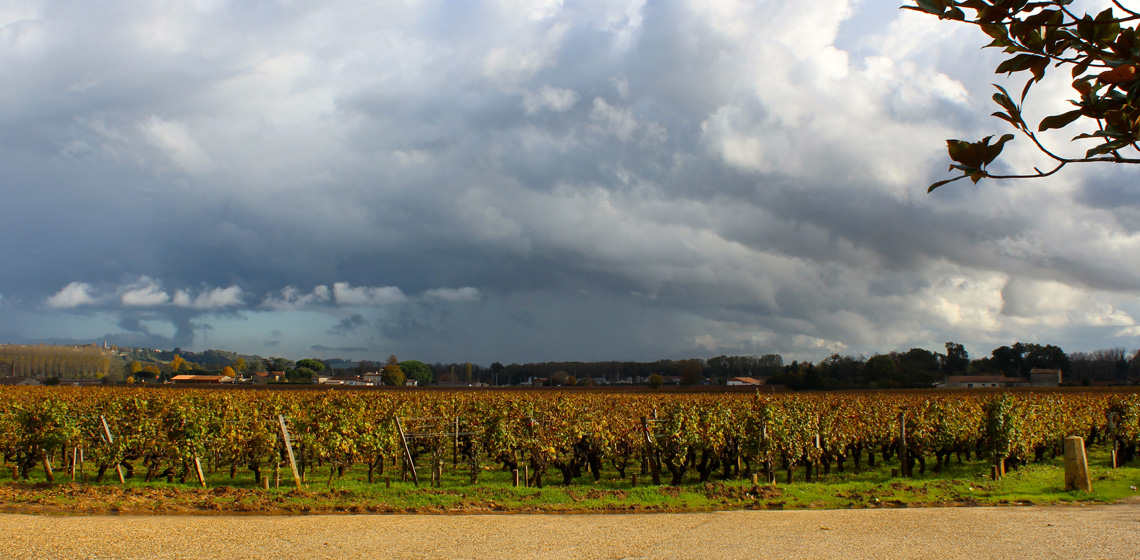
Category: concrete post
[1076,465]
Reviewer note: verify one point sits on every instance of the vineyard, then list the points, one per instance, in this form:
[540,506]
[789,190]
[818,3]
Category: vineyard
[569,438]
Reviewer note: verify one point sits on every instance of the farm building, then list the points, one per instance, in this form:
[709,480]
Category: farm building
[738,381]
[1037,378]
[201,379]
[18,381]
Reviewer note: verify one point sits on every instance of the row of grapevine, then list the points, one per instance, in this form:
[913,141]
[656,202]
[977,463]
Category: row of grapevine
[160,432]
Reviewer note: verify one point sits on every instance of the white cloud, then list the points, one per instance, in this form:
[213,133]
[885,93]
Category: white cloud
[74,294]
[453,295]
[613,120]
[1051,303]
[210,299]
[532,48]
[362,296]
[968,301]
[549,98]
[146,292]
[174,140]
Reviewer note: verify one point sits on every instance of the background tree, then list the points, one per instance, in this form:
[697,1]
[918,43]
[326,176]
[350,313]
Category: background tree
[692,372]
[278,364]
[918,367]
[238,365]
[956,361]
[449,376]
[300,375]
[1110,364]
[417,371]
[880,371]
[1101,53]
[655,381]
[1021,358]
[841,371]
[255,364]
[229,372]
[392,375]
[315,366]
[558,378]
[175,363]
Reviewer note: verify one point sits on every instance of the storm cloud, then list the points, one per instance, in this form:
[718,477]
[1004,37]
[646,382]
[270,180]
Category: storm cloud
[534,180]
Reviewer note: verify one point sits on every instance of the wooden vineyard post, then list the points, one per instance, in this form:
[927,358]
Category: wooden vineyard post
[769,472]
[455,448]
[650,450]
[198,471]
[74,460]
[407,452]
[47,467]
[902,446]
[1076,465]
[515,477]
[289,450]
[1112,439]
[111,440]
[819,463]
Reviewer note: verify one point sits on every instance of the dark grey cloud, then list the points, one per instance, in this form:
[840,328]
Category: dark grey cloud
[349,325]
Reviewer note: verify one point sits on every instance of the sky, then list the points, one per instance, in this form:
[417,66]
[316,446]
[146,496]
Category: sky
[536,180]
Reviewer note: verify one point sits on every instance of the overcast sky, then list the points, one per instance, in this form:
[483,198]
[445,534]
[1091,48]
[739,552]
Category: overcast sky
[532,180]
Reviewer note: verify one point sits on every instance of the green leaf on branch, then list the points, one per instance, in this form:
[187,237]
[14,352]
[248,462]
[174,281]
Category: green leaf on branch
[940,183]
[992,152]
[1059,121]
[960,152]
[1032,62]
[1107,148]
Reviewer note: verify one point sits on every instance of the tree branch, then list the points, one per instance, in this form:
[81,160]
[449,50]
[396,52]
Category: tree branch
[1063,163]
[1126,10]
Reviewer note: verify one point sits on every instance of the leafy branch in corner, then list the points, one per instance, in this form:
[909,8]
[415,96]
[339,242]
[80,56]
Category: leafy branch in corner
[1103,54]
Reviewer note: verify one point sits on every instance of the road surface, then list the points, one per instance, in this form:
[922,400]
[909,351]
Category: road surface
[934,534]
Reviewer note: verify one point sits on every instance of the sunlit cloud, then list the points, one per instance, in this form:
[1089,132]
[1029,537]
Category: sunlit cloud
[74,294]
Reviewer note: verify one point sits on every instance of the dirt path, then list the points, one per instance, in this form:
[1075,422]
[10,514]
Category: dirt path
[946,533]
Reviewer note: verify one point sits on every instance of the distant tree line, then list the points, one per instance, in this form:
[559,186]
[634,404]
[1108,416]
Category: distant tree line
[44,361]
[914,368]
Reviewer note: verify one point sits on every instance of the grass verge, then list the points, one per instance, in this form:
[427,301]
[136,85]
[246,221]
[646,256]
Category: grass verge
[966,484]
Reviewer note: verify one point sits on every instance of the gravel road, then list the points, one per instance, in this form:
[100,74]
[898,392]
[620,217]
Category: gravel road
[943,534]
